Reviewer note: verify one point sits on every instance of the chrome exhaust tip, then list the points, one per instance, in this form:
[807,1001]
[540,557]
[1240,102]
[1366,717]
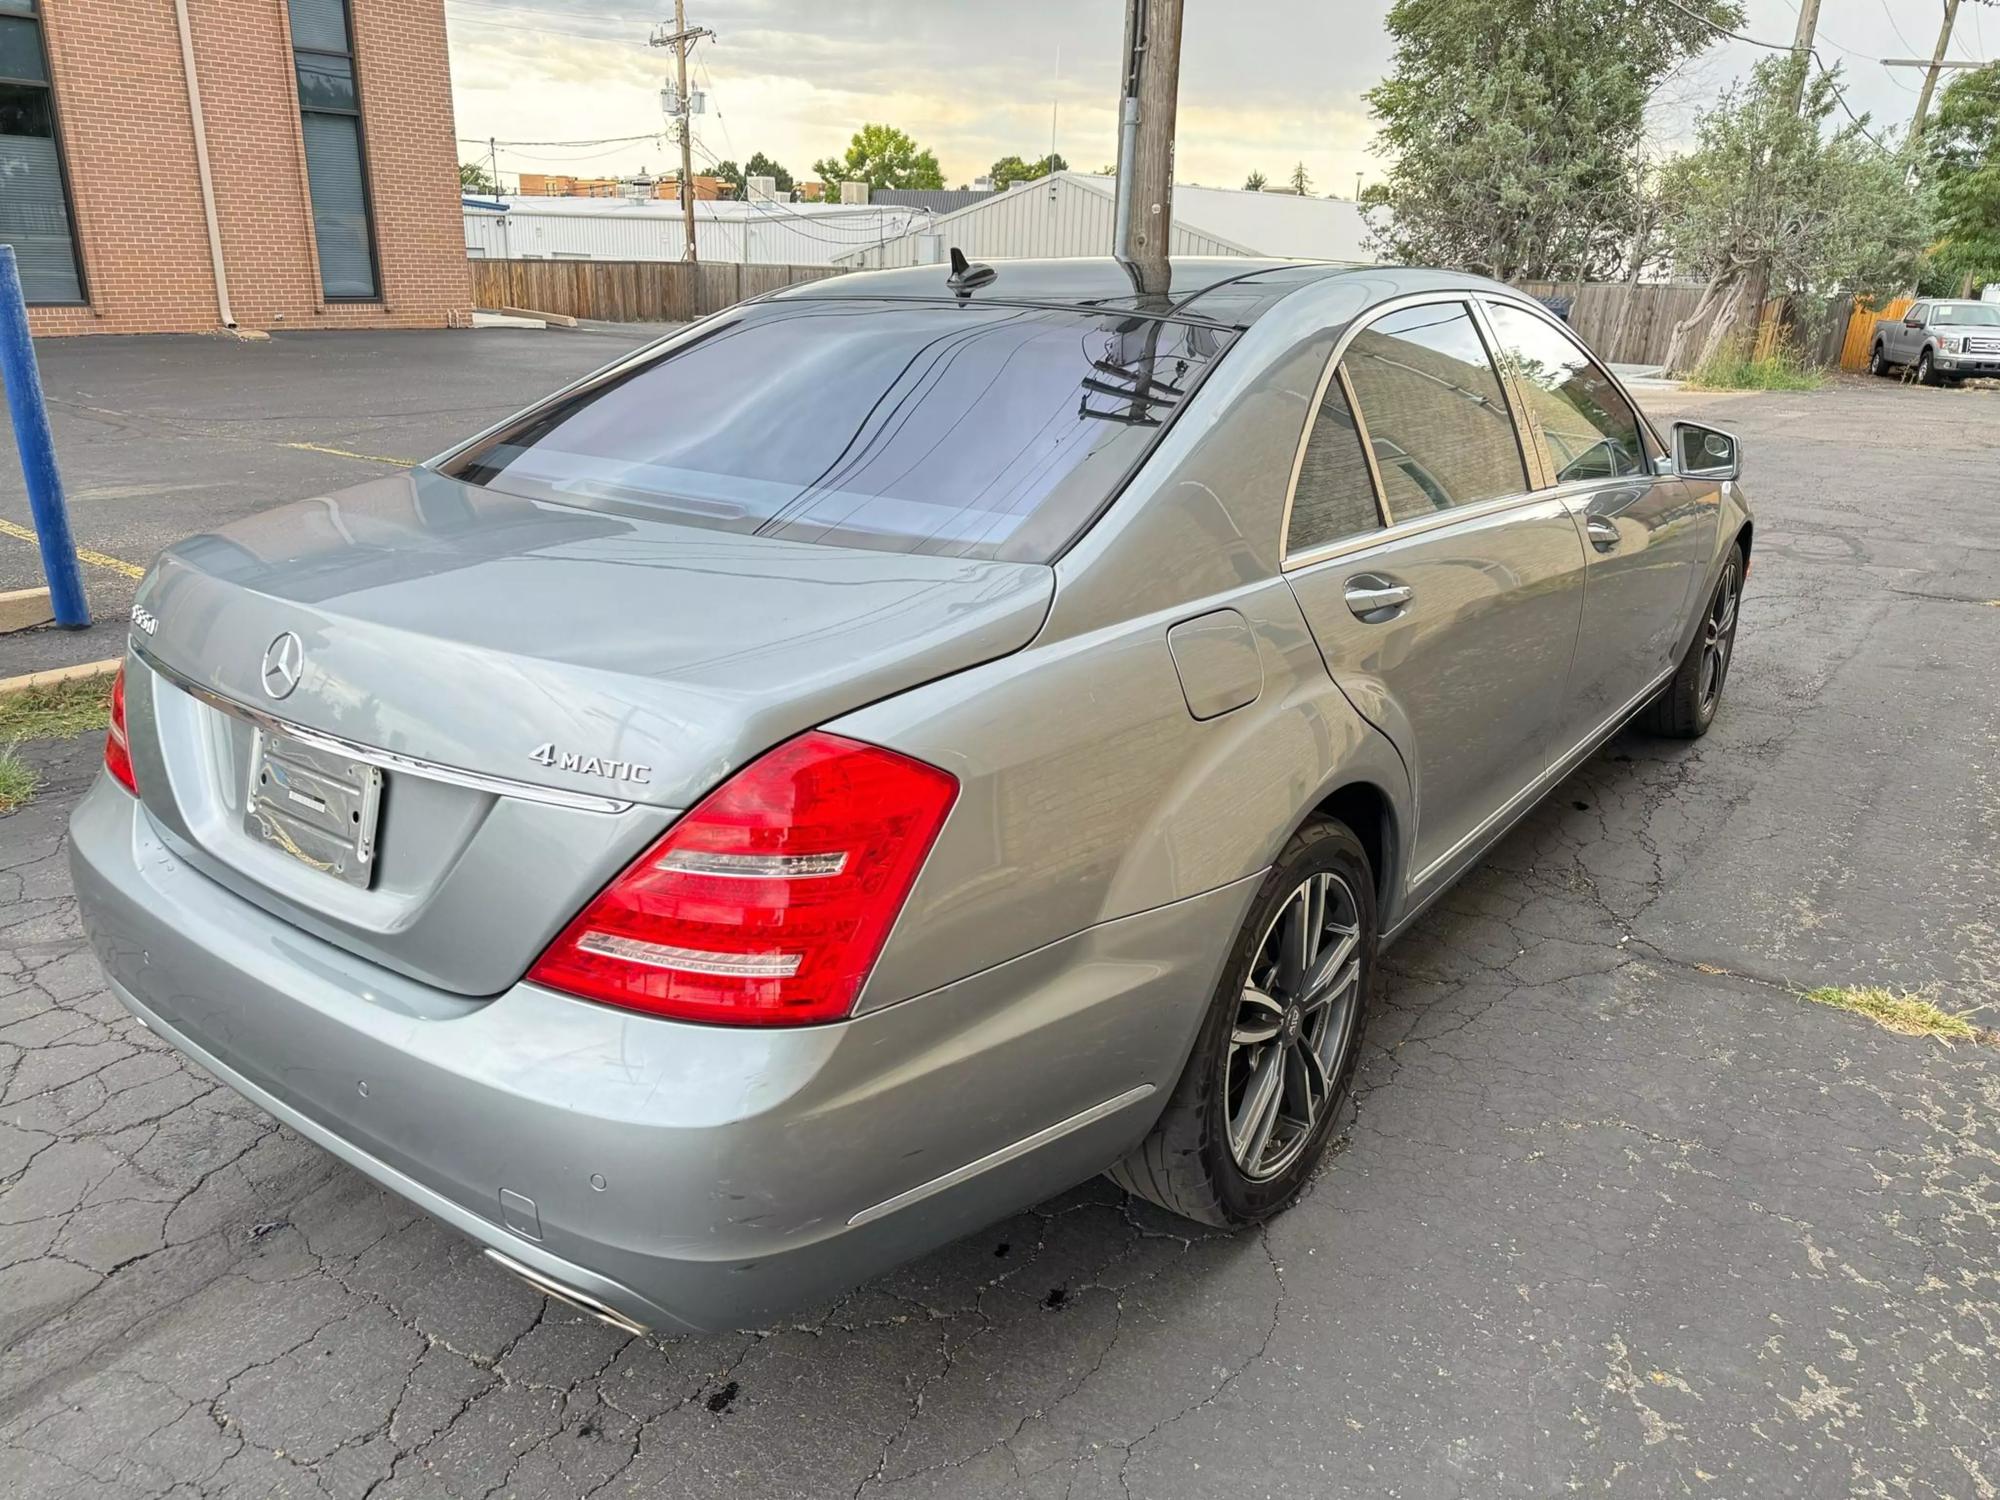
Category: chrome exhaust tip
[569,1296]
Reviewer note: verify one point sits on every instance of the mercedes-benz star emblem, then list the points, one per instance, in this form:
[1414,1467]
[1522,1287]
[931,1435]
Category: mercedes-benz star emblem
[284,664]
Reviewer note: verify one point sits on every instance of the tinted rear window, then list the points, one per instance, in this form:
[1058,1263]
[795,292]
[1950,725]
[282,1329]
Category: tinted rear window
[965,430]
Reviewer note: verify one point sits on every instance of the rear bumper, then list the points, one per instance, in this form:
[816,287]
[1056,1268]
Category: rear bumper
[684,1176]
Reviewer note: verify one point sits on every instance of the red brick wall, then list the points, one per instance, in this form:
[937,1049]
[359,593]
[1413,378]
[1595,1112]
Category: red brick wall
[129,144]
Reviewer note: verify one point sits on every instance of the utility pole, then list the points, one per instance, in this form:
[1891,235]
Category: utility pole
[1055,111]
[1802,53]
[1802,61]
[1148,96]
[1931,74]
[682,39]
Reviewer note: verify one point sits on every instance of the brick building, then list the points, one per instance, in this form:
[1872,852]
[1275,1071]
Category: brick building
[328,197]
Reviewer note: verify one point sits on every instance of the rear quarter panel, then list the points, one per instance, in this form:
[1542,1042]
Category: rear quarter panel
[1089,790]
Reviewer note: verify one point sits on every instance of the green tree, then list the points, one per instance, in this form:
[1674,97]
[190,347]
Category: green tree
[474,178]
[1011,169]
[1783,200]
[883,157]
[1514,128]
[1008,170]
[1959,158]
[1300,181]
[730,175]
[761,165]
[1256,182]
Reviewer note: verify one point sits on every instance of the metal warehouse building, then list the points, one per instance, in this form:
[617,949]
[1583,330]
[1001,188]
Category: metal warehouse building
[759,232]
[1071,213]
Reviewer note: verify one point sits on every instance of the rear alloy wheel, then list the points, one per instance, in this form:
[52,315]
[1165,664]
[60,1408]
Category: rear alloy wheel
[1686,707]
[1926,371]
[1877,365]
[1293,1023]
[1255,1107]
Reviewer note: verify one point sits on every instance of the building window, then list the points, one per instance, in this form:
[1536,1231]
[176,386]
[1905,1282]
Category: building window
[34,196]
[336,166]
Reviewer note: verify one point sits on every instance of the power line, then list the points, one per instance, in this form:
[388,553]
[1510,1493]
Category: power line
[1839,94]
[769,206]
[1890,16]
[607,140]
[1719,28]
[531,10]
[563,162]
[1832,41]
[580,36]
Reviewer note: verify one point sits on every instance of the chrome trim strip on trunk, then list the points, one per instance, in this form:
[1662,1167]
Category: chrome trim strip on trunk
[1001,1157]
[387,760]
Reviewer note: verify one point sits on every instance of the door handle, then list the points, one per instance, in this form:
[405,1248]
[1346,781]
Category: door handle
[1603,535]
[1374,601]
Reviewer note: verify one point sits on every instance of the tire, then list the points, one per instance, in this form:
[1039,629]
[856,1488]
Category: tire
[1687,705]
[1212,1157]
[1877,364]
[1926,371]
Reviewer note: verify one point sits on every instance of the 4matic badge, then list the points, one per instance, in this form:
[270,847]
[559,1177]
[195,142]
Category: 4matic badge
[590,765]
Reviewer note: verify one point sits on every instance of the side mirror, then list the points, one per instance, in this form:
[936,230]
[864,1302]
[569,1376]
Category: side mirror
[1913,322]
[1704,453]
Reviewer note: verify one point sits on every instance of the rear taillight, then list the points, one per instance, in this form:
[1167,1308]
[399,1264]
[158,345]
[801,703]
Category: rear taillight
[117,747]
[768,903]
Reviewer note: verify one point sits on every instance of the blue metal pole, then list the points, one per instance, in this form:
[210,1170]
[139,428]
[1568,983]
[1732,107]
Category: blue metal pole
[38,450]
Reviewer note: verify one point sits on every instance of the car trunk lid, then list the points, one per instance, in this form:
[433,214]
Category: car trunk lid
[541,687]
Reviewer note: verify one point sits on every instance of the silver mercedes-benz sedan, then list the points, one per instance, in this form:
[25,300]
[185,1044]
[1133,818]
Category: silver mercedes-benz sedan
[889,751]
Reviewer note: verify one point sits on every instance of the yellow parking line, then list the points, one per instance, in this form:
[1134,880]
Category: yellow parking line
[370,458]
[84,554]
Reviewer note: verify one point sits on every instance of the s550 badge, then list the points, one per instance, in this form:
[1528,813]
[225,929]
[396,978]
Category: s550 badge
[590,765]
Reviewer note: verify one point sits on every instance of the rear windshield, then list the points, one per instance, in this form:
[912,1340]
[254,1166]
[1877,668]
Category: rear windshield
[961,429]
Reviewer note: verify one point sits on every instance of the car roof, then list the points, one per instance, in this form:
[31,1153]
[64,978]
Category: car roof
[1235,290]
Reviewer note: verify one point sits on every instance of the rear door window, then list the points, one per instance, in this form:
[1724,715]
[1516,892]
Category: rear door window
[1437,422]
[1589,429]
[1335,496]
[976,430]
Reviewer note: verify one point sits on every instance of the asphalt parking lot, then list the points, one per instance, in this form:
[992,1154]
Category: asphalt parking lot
[1616,1211]
[159,438]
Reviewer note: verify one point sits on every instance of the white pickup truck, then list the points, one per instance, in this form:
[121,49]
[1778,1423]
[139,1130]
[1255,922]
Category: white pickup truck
[1942,340]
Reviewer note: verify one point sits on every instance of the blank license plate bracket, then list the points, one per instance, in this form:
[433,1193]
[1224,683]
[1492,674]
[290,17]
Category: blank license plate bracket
[318,807]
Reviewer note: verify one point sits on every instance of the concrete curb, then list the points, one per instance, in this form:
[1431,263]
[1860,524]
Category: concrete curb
[24,609]
[27,682]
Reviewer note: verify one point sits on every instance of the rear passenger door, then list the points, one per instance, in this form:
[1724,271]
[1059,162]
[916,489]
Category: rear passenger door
[1445,595]
[1645,534]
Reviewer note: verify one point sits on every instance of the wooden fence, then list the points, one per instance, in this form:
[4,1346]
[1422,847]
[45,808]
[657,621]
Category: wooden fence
[1625,323]
[1631,324]
[1860,340]
[630,291]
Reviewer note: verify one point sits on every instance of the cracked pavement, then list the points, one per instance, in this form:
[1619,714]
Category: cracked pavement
[1613,1211]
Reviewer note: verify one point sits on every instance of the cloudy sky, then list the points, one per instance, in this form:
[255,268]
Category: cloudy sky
[1264,83]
